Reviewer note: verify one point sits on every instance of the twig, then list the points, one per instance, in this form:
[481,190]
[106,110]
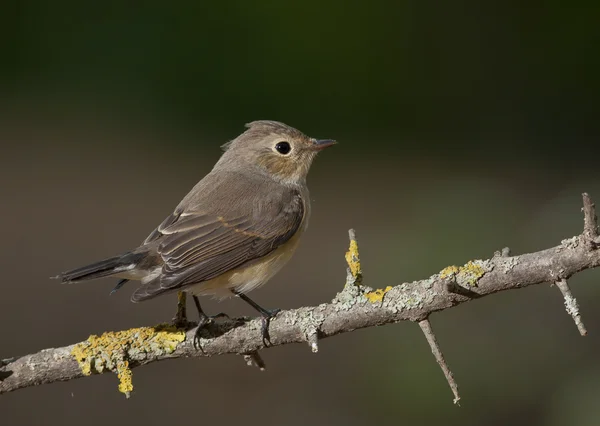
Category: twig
[254,359]
[353,308]
[439,357]
[180,318]
[590,220]
[313,342]
[571,305]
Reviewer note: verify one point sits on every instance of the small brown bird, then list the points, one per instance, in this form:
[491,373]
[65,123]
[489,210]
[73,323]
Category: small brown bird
[233,231]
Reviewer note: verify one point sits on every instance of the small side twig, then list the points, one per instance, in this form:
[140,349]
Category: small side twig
[353,261]
[590,220]
[313,342]
[352,234]
[571,305]
[180,318]
[439,357]
[254,359]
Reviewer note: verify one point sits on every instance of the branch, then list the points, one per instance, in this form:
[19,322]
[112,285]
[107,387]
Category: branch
[571,305]
[439,357]
[356,306]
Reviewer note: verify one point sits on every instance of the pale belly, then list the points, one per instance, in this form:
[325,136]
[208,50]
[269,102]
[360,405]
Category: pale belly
[250,277]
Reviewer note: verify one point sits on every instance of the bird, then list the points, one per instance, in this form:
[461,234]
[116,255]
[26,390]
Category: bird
[235,229]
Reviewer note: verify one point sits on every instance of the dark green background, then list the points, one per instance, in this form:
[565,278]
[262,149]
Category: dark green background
[464,127]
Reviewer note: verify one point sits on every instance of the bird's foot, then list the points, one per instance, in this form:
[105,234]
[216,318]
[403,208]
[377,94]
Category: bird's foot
[204,322]
[267,315]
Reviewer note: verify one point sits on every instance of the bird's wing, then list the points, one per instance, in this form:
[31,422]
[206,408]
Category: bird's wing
[197,246]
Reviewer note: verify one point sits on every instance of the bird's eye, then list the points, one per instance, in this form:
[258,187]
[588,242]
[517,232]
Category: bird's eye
[283,148]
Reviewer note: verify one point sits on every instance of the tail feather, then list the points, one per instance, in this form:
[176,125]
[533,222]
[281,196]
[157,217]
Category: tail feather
[120,284]
[103,268]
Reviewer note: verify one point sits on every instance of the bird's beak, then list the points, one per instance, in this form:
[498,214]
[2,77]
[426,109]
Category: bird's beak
[320,144]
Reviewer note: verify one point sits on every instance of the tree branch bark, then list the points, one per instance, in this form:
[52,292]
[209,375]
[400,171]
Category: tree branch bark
[356,306]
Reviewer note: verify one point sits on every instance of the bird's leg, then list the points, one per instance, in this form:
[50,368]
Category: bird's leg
[267,314]
[203,321]
[180,319]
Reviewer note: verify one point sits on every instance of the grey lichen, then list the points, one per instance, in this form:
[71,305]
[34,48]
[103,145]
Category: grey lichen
[309,320]
[299,315]
[508,263]
[407,296]
[349,296]
[571,305]
[428,283]
[569,243]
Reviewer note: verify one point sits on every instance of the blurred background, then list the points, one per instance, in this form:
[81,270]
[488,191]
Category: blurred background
[464,127]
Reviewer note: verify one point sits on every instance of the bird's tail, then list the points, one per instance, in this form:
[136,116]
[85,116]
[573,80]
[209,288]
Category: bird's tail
[104,268]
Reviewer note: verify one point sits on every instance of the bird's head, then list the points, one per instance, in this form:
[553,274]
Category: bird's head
[274,148]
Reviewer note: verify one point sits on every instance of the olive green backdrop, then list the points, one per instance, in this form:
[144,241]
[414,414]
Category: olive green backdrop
[464,127]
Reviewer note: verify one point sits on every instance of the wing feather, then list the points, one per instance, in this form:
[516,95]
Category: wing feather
[197,246]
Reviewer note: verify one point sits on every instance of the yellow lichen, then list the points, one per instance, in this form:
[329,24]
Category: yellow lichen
[79,353]
[377,295]
[125,377]
[467,274]
[449,271]
[353,260]
[470,273]
[112,350]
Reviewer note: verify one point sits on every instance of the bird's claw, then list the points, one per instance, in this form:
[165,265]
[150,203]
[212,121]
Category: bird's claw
[267,315]
[203,324]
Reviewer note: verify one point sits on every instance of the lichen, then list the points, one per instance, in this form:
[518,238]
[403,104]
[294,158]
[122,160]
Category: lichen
[377,295]
[449,271]
[114,350]
[571,305]
[310,323]
[404,296]
[468,274]
[508,263]
[353,260]
[569,243]
[346,299]
[125,377]
[405,299]
[428,283]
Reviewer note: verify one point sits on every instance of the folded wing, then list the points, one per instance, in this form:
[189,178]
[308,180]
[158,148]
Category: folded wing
[199,245]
